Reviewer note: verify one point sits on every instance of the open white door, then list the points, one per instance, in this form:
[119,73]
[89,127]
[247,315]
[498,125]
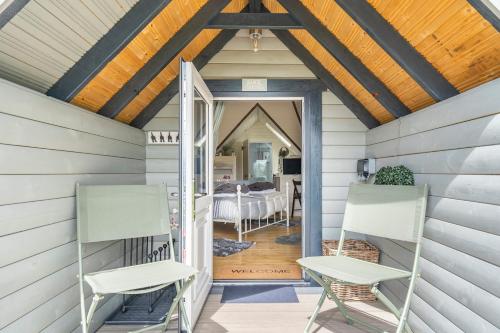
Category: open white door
[196,170]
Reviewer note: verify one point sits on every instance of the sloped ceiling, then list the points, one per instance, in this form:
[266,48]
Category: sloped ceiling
[45,39]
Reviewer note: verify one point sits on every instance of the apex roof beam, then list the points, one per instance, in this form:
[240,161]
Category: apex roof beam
[297,113]
[173,87]
[275,123]
[237,125]
[353,65]
[255,6]
[399,49]
[162,58]
[487,11]
[335,86]
[115,40]
[254,20]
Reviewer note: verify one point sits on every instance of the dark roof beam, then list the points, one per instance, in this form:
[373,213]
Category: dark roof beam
[350,62]
[399,49]
[490,14]
[331,83]
[253,20]
[255,6]
[114,41]
[162,58]
[173,87]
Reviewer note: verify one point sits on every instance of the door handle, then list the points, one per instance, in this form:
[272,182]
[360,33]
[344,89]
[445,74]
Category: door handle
[174,194]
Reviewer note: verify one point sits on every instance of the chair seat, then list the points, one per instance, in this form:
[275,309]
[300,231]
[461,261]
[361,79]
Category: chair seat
[352,270]
[128,278]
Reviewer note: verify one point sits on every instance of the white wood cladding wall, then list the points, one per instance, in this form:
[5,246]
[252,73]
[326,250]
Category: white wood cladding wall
[46,147]
[454,146]
[343,133]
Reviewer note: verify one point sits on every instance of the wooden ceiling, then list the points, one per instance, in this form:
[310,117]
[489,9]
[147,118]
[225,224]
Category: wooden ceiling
[451,35]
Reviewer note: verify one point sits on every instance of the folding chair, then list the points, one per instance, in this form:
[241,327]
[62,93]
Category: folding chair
[297,194]
[106,213]
[395,212]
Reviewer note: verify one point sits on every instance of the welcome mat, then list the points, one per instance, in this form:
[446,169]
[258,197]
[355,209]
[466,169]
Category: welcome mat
[137,313]
[259,294]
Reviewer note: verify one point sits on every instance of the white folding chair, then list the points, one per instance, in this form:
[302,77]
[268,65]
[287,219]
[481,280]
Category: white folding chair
[115,212]
[395,212]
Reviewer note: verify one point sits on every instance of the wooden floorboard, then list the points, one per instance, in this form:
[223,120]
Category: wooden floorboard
[266,260]
[219,317]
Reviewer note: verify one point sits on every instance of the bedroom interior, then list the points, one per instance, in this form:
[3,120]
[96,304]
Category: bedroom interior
[138,137]
[257,169]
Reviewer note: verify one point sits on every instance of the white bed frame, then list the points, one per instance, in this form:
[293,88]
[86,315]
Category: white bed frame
[244,226]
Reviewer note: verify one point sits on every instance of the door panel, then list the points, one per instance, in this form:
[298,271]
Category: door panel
[196,169]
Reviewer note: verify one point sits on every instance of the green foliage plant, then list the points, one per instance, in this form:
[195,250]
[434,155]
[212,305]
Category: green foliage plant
[394,175]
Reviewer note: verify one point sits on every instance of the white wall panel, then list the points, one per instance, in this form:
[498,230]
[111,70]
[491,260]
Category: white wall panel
[454,147]
[46,147]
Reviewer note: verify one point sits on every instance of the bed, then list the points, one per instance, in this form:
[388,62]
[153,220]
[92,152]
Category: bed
[250,208]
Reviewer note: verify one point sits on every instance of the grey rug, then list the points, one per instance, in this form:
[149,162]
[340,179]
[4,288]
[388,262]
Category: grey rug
[289,239]
[224,247]
[259,294]
[138,314]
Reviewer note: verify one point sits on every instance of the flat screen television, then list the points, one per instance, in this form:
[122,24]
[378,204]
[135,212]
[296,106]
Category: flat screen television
[292,166]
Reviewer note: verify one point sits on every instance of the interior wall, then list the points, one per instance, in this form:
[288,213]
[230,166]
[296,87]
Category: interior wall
[46,147]
[343,133]
[454,146]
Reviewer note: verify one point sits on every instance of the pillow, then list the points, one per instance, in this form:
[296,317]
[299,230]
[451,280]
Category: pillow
[230,188]
[261,186]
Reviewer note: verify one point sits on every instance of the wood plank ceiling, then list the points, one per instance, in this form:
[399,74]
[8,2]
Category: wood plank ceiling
[140,50]
[450,36]
[467,54]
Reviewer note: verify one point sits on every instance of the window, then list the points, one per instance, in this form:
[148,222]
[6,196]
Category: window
[200,142]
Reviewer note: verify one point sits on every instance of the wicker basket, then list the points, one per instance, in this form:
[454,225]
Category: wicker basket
[356,249]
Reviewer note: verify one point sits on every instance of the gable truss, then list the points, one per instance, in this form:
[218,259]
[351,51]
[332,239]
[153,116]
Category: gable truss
[298,17]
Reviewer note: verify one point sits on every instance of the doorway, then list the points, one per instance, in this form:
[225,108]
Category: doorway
[257,181]
[196,167]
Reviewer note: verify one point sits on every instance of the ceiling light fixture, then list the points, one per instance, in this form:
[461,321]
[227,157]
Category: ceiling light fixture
[255,36]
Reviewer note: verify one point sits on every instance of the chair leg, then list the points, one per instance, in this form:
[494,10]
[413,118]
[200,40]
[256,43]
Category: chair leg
[382,298]
[342,308]
[176,302]
[93,307]
[316,311]
[185,317]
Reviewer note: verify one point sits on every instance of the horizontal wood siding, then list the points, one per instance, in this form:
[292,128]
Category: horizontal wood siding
[46,147]
[343,133]
[454,146]
[343,144]
[46,38]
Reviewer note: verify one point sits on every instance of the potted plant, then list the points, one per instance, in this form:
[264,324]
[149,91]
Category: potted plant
[396,175]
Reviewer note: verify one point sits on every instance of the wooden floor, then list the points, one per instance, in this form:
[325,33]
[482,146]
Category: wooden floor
[266,260]
[289,318]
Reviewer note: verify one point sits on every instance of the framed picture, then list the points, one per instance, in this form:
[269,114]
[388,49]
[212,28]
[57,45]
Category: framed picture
[162,137]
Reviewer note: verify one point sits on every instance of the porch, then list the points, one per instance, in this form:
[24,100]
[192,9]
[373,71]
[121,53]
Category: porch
[218,317]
